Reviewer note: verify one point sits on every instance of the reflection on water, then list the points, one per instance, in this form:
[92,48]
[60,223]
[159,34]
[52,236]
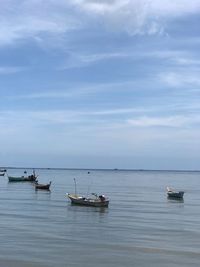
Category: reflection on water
[175,200]
[78,208]
[141,226]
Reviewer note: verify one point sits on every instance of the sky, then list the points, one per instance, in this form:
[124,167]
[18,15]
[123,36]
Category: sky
[100,84]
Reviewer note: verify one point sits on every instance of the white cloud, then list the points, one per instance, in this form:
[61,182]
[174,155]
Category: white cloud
[56,94]
[186,61]
[170,121]
[78,90]
[95,117]
[133,17]
[98,57]
[180,79]
[10,70]
[175,8]
[48,95]
[157,7]
[81,60]
[61,116]
[118,111]
[137,16]
[29,19]
[178,57]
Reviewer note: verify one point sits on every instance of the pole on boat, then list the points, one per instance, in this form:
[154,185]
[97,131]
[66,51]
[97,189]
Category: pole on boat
[75,186]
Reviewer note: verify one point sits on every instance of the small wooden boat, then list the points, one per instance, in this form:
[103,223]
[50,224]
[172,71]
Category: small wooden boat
[95,201]
[42,186]
[174,194]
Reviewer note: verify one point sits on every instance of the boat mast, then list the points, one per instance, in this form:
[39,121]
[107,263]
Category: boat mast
[75,186]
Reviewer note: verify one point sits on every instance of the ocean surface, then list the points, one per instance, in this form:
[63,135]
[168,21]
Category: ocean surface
[141,227]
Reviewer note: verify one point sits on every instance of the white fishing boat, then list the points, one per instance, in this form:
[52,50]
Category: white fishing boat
[174,194]
[95,200]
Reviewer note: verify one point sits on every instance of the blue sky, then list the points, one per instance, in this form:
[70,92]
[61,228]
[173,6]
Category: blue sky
[100,84]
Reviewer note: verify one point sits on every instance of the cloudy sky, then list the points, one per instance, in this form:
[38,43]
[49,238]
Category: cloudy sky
[100,83]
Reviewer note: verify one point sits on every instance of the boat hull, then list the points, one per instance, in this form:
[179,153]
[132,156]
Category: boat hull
[21,179]
[42,186]
[177,195]
[77,200]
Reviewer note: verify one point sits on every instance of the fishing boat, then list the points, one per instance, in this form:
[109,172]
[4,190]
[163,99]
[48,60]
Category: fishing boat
[2,174]
[21,179]
[95,201]
[29,178]
[42,186]
[174,194]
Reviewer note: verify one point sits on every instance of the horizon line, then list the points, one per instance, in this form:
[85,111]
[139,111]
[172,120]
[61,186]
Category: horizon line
[98,169]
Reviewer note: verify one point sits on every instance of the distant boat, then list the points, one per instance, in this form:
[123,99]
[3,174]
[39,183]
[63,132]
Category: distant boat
[2,170]
[174,194]
[2,174]
[95,201]
[42,186]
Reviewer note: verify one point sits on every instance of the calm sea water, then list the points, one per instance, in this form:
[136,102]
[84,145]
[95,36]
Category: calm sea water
[141,227]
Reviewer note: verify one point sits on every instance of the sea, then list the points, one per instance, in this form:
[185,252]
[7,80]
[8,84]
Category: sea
[141,227]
